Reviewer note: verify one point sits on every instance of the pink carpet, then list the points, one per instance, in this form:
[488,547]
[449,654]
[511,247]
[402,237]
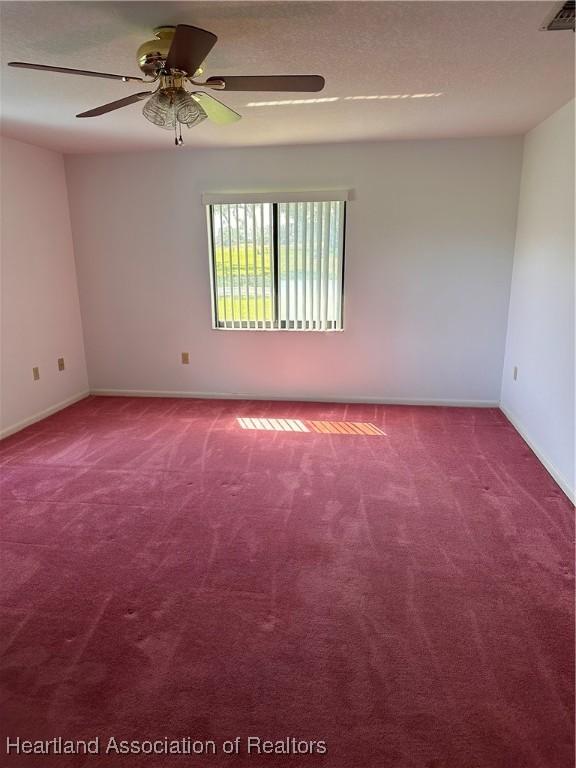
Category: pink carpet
[405,597]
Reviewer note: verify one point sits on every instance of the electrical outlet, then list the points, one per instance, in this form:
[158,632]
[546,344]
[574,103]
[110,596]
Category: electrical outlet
[515,374]
[35,373]
[61,364]
[185,358]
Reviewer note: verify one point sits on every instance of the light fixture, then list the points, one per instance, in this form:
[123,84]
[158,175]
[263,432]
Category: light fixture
[172,107]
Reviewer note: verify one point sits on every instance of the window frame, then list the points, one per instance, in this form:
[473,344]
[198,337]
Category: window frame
[276,324]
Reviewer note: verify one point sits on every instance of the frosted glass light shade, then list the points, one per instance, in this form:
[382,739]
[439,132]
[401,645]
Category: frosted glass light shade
[170,106]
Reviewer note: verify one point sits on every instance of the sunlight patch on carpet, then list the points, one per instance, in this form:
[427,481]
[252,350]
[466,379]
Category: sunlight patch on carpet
[296,425]
[276,425]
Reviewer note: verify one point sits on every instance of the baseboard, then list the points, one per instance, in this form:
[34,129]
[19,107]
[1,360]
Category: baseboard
[544,460]
[304,399]
[7,431]
[518,426]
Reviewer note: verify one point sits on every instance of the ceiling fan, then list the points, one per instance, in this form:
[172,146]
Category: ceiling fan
[172,60]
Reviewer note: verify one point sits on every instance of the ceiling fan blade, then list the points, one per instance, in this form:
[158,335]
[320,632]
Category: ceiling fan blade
[307,83]
[189,48]
[116,104]
[216,111]
[67,71]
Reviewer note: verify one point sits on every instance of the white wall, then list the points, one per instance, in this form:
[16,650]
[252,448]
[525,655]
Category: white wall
[40,312]
[428,264]
[540,338]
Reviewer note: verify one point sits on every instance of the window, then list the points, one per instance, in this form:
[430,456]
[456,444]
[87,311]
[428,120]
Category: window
[277,265]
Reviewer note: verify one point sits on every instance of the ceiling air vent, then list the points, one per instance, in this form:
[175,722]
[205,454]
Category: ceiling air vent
[561,19]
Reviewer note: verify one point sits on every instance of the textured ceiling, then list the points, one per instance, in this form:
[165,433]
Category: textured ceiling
[497,73]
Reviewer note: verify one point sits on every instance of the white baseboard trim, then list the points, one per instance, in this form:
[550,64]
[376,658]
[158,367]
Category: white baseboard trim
[7,431]
[544,460]
[311,399]
[518,426]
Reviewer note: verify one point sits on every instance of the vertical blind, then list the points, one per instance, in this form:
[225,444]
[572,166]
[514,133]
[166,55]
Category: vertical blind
[277,266]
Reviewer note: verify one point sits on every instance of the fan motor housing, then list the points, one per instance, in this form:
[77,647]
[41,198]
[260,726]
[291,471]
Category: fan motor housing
[152,54]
